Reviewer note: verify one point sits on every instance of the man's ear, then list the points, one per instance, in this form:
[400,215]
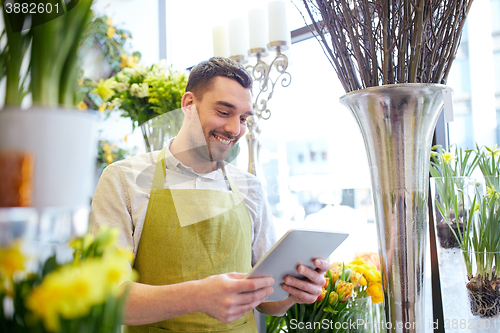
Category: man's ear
[187,104]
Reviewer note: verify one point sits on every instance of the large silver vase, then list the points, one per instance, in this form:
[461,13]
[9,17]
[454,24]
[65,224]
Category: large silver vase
[397,123]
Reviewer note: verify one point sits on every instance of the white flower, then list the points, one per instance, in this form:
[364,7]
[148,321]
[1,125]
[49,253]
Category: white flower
[134,89]
[117,102]
[119,86]
[141,69]
[122,77]
[131,72]
[144,90]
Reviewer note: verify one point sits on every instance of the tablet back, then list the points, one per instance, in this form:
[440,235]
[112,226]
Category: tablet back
[297,246]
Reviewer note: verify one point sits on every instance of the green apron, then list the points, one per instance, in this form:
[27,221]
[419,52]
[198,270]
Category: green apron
[172,252]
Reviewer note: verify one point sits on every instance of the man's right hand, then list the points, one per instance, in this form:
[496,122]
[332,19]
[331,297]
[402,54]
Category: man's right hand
[228,297]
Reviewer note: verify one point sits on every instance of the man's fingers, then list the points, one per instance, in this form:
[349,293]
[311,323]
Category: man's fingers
[321,265]
[303,285]
[238,276]
[301,295]
[313,276]
[257,296]
[248,285]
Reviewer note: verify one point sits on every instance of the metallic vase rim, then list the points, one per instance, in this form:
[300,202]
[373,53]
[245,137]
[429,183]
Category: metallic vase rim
[391,87]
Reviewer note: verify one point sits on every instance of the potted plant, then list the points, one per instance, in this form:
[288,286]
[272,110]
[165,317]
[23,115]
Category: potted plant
[451,177]
[51,129]
[479,239]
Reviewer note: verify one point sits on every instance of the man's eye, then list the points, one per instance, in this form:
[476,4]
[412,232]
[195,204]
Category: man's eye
[224,113]
[244,120]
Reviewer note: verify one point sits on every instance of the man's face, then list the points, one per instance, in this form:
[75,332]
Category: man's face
[223,111]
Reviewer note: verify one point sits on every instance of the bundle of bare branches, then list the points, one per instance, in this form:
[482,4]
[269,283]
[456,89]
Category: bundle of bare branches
[376,42]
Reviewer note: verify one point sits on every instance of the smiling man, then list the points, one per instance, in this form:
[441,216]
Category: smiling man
[201,224]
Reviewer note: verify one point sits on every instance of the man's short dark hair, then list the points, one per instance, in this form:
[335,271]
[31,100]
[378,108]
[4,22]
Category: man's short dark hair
[202,75]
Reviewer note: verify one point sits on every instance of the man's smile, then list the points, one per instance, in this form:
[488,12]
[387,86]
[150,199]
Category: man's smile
[223,140]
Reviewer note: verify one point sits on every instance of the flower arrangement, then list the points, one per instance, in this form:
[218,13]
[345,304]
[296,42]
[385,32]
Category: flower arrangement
[141,93]
[79,296]
[337,305]
[451,171]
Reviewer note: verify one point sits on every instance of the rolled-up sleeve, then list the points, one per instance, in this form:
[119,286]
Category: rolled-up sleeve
[111,205]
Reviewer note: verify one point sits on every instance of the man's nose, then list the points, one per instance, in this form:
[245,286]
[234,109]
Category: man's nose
[233,126]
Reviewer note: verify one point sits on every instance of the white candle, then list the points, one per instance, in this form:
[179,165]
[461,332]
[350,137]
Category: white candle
[221,41]
[257,26]
[238,37]
[278,28]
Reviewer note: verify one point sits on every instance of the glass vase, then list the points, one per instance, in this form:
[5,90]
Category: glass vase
[451,202]
[157,131]
[369,317]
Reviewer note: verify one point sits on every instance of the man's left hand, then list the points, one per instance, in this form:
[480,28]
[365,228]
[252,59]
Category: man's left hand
[307,291]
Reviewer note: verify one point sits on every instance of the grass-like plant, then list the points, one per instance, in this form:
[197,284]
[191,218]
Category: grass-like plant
[449,170]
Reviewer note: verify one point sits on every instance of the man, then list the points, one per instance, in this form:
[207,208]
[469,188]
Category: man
[201,220]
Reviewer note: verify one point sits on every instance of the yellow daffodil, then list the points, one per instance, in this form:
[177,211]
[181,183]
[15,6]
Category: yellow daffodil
[128,61]
[125,138]
[11,260]
[110,32]
[109,157]
[490,192]
[448,157]
[375,291]
[104,89]
[103,107]
[80,81]
[123,63]
[81,106]
[494,152]
[109,21]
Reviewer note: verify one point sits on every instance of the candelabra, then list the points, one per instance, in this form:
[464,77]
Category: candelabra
[266,76]
[233,42]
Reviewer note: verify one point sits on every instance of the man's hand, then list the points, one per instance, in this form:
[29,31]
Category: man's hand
[307,291]
[228,297]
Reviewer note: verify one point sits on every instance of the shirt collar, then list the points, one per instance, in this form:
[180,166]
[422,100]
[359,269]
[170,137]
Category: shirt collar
[174,164]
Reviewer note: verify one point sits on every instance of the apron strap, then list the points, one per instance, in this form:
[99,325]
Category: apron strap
[159,176]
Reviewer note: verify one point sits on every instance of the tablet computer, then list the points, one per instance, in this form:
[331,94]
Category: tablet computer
[297,246]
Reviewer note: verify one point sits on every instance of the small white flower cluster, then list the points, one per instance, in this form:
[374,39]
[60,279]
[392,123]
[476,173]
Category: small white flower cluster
[139,90]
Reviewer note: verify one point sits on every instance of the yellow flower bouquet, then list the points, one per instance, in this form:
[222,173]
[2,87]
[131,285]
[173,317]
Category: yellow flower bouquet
[83,295]
[336,308]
